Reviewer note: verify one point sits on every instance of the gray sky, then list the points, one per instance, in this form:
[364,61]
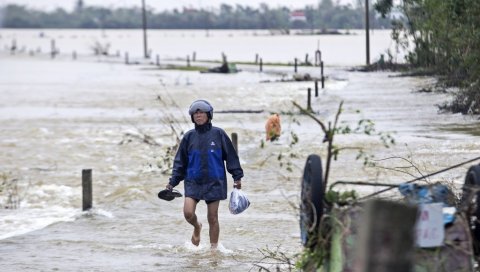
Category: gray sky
[163,4]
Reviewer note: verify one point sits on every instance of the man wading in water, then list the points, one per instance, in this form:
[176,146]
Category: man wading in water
[200,163]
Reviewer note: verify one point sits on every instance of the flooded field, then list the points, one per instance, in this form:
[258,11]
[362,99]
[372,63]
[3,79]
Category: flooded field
[61,116]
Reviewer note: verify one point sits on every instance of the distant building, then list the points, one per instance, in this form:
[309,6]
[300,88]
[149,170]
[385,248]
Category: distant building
[298,15]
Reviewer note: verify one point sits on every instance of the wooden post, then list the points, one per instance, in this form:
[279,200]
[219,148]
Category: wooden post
[126,58]
[386,237]
[306,59]
[321,74]
[309,99]
[261,64]
[318,57]
[13,48]
[87,189]
[158,60]
[256,58]
[224,58]
[367,31]
[52,45]
[235,141]
[316,88]
[194,56]
[144,25]
[295,66]
[188,60]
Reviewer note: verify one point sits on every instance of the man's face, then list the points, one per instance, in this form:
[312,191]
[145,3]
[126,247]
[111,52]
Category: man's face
[200,118]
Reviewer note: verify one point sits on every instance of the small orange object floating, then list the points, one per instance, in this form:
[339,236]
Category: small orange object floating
[273,127]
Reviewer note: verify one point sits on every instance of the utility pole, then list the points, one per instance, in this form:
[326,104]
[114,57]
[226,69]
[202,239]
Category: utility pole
[367,31]
[144,17]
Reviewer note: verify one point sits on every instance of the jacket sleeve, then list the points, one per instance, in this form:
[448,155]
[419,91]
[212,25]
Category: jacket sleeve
[180,163]
[231,158]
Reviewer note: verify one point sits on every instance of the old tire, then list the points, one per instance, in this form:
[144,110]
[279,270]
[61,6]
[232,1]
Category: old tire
[311,203]
[471,204]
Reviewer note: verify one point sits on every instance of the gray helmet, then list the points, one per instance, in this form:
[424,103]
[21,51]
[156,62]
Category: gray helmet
[203,106]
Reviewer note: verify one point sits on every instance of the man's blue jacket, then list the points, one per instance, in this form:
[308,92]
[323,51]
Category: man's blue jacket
[200,162]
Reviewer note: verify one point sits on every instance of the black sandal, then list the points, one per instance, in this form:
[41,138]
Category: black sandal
[169,195]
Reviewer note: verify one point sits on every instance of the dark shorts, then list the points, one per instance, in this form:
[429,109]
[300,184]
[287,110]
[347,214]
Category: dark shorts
[206,201]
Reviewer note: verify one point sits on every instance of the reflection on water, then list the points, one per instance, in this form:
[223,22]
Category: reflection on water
[61,116]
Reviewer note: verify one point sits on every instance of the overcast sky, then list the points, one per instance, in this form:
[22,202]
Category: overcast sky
[163,4]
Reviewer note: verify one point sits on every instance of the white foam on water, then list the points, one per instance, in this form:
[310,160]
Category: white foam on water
[152,246]
[21,221]
[94,212]
[41,206]
[105,213]
[205,248]
[24,220]
[46,195]
[188,246]
[224,250]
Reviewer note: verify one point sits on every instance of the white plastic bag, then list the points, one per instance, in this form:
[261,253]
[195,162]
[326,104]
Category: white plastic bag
[238,201]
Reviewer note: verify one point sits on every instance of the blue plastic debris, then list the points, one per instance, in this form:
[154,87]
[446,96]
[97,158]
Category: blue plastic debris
[424,194]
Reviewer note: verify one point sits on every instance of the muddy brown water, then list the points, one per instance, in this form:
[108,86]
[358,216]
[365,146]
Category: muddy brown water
[59,117]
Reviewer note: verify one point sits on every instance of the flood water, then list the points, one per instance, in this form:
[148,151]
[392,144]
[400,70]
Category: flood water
[61,116]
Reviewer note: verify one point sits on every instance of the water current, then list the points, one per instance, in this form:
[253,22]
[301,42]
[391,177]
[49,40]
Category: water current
[59,116]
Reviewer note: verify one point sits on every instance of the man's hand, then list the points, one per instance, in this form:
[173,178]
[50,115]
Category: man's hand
[237,184]
[169,187]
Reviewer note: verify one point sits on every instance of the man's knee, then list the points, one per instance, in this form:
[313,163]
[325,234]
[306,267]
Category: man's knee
[212,219]
[189,215]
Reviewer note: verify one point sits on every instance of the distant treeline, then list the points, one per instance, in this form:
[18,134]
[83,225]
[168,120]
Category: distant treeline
[325,15]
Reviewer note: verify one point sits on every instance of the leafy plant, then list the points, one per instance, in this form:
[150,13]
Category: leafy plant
[310,260]
[342,198]
[364,126]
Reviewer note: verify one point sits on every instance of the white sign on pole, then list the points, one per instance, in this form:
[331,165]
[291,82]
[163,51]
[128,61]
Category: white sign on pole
[429,228]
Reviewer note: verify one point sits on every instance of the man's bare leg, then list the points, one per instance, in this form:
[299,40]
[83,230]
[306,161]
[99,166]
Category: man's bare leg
[189,208]
[212,215]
